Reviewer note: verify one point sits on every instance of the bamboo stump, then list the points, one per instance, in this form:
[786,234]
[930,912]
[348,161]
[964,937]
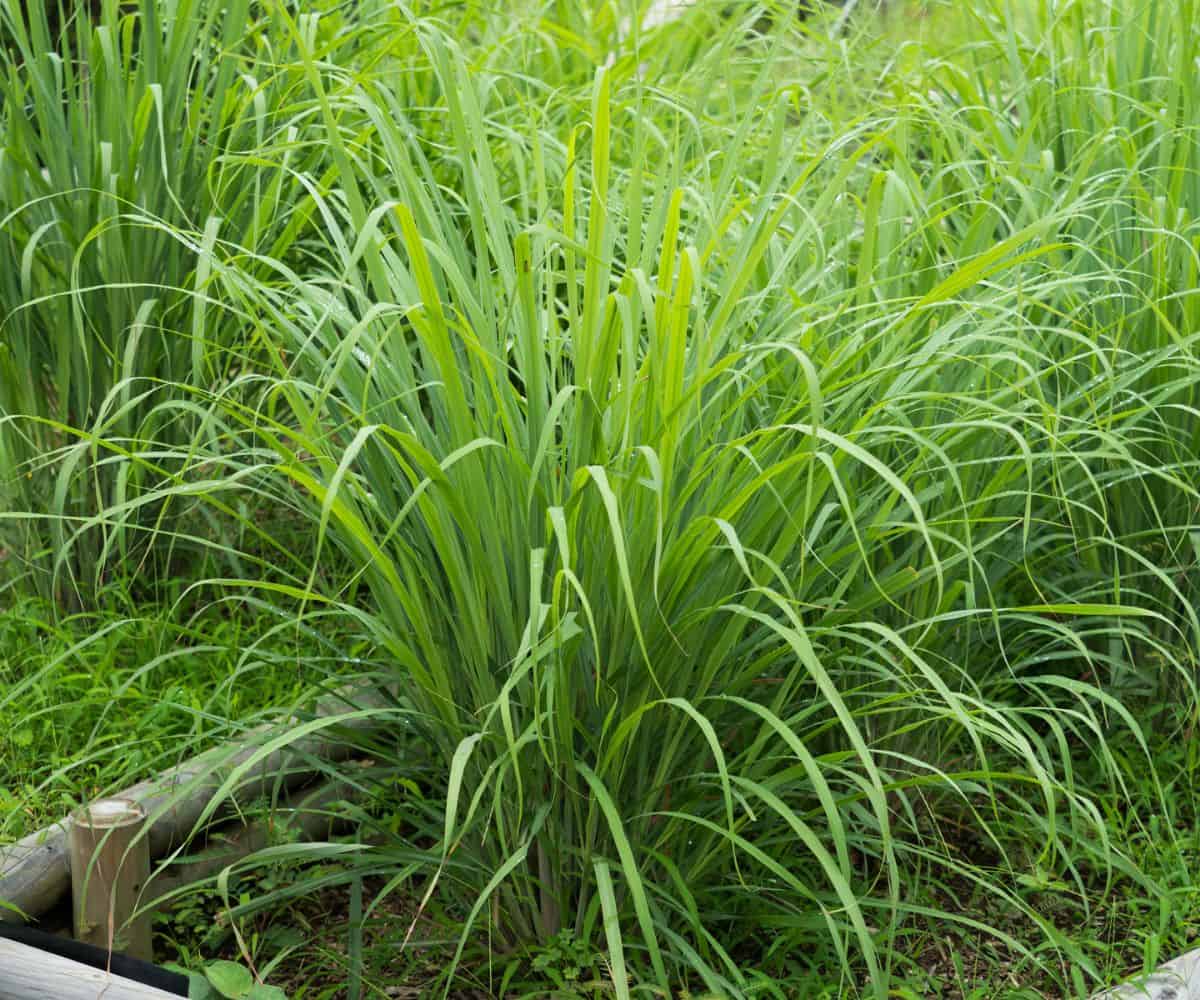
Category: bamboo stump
[110,864]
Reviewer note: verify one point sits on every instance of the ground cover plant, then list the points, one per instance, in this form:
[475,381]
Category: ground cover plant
[757,454]
[96,701]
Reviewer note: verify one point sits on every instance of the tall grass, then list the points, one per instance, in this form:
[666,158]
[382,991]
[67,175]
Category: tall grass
[136,139]
[767,514]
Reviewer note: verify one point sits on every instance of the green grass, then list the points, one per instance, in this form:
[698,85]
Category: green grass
[767,466]
[137,139]
[98,701]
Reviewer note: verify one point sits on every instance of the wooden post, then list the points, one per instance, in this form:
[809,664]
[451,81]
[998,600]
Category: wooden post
[110,864]
[32,974]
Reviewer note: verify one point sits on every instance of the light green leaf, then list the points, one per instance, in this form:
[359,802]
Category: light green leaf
[231,980]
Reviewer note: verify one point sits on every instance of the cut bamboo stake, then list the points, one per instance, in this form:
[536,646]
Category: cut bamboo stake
[35,871]
[110,864]
[32,974]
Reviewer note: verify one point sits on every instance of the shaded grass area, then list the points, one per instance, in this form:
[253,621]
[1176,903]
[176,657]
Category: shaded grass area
[1123,927]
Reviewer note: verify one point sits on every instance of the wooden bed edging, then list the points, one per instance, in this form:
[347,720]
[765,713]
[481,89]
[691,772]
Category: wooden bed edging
[31,974]
[35,871]
[308,817]
[1178,979]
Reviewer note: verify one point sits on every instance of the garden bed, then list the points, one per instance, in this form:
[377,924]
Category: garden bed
[756,454]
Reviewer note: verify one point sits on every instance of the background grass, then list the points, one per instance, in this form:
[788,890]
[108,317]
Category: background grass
[763,461]
[97,701]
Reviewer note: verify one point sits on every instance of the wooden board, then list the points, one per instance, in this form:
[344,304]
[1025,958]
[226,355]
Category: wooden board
[1179,979]
[31,974]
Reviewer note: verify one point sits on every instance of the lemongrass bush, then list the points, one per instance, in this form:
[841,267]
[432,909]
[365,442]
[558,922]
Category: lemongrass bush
[766,515]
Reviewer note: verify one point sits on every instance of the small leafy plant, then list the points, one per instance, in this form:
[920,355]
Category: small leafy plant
[571,965]
[225,980]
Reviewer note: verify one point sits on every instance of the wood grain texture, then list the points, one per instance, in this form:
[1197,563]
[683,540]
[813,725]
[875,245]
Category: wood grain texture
[35,872]
[1178,979]
[30,974]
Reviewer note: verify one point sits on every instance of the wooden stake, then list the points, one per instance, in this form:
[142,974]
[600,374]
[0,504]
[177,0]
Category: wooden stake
[110,863]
